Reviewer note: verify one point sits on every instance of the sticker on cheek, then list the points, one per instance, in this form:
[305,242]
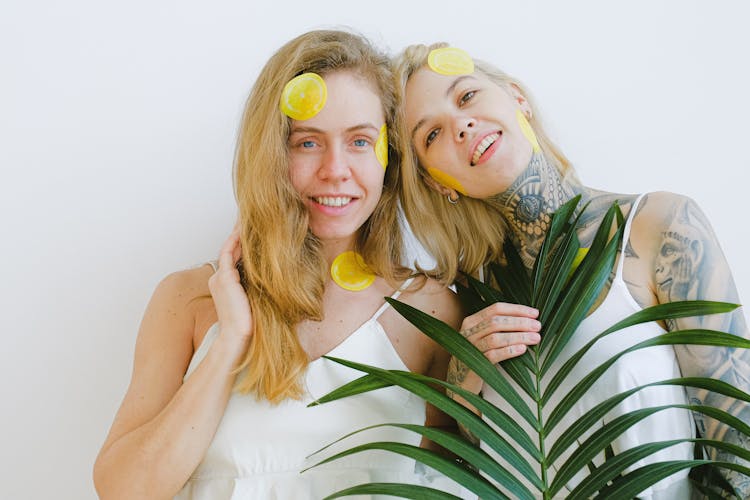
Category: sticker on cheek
[450,61]
[303,96]
[350,272]
[381,147]
[528,132]
[446,180]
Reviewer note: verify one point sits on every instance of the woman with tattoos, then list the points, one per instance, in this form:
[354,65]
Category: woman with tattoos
[479,167]
[226,365]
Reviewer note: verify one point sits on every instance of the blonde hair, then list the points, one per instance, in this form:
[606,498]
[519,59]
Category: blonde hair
[283,266]
[465,236]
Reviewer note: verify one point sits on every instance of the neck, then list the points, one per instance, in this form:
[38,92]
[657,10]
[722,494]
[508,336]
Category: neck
[333,248]
[527,205]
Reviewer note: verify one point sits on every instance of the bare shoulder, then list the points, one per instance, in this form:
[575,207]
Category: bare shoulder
[657,218]
[659,209]
[435,299]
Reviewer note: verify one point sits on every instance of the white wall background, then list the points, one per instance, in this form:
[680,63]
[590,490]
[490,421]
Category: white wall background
[117,127]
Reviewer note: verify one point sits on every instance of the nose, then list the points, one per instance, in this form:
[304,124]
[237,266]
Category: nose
[335,164]
[462,126]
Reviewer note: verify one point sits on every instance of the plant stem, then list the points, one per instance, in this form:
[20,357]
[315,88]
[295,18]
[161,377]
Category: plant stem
[540,419]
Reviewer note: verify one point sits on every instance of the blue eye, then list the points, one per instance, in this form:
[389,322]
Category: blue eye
[431,137]
[360,143]
[308,144]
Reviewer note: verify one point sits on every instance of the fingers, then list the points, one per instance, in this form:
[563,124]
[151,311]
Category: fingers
[505,353]
[501,317]
[231,250]
[503,331]
[495,341]
[500,346]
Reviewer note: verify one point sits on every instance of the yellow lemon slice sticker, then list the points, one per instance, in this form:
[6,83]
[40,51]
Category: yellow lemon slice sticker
[381,147]
[446,180]
[450,61]
[580,255]
[528,132]
[304,96]
[350,272]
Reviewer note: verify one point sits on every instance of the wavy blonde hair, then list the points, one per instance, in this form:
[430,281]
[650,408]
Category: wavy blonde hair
[465,236]
[283,266]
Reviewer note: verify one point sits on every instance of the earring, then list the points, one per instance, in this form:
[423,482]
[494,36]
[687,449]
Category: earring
[452,201]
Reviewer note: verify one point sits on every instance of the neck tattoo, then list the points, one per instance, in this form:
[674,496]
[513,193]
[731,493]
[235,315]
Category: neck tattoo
[350,272]
[527,205]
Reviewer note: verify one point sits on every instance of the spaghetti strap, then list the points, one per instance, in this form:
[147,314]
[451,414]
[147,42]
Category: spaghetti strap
[395,295]
[214,264]
[626,234]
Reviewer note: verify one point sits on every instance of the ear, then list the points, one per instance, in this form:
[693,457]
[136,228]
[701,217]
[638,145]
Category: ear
[515,92]
[436,186]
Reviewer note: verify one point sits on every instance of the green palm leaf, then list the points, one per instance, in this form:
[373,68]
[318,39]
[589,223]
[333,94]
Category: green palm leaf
[564,297]
[587,421]
[603,436]
[450,468]
[472,422]
[395,489]
[616,465]
[672,310]
[477,457]
[631,484]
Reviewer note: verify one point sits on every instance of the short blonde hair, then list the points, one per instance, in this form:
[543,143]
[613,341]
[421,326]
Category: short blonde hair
[465,236]
[284,268]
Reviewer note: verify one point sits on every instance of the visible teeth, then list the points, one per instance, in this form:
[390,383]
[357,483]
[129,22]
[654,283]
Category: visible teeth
[333,201]
[482,147]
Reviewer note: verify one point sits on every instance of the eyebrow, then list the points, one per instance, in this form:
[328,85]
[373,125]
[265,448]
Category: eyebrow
[314,130]
[448,93]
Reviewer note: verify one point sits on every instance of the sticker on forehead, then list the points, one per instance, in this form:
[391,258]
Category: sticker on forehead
[304,96]
[350,272]
[528,132]
[381,147]
[450,61]
[446,180]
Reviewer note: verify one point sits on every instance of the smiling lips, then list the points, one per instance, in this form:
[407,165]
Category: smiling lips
[483,145]
[332,201]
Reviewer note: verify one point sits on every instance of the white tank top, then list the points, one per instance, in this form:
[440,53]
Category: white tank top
[259,449]
[632,370]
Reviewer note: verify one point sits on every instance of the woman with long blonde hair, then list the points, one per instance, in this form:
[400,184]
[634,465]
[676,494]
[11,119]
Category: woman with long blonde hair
[229,356]
[477,168]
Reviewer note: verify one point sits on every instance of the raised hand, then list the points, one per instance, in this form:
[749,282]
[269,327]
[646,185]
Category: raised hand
[230,298]
[501,331]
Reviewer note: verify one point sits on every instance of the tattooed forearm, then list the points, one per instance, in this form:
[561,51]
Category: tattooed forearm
[457,372]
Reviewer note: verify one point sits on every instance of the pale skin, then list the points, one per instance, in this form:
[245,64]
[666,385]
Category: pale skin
[165,425]
[672,253]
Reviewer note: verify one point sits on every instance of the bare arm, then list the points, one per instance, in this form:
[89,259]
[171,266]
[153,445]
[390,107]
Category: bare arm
[689,265]
[163,427]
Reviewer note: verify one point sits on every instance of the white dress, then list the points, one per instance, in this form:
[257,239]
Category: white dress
[633,369]
[259,449]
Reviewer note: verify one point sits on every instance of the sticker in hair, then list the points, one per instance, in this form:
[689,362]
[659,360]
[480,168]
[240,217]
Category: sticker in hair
[450,61]
[350,272]
[303,96]
[528,132]
[446,180]
[381,147]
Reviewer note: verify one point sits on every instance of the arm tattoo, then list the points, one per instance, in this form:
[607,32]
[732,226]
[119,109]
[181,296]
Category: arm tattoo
[457,372]
[691,266]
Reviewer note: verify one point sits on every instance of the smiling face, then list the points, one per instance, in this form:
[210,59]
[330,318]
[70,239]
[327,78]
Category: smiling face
[468,132]
[333,163]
